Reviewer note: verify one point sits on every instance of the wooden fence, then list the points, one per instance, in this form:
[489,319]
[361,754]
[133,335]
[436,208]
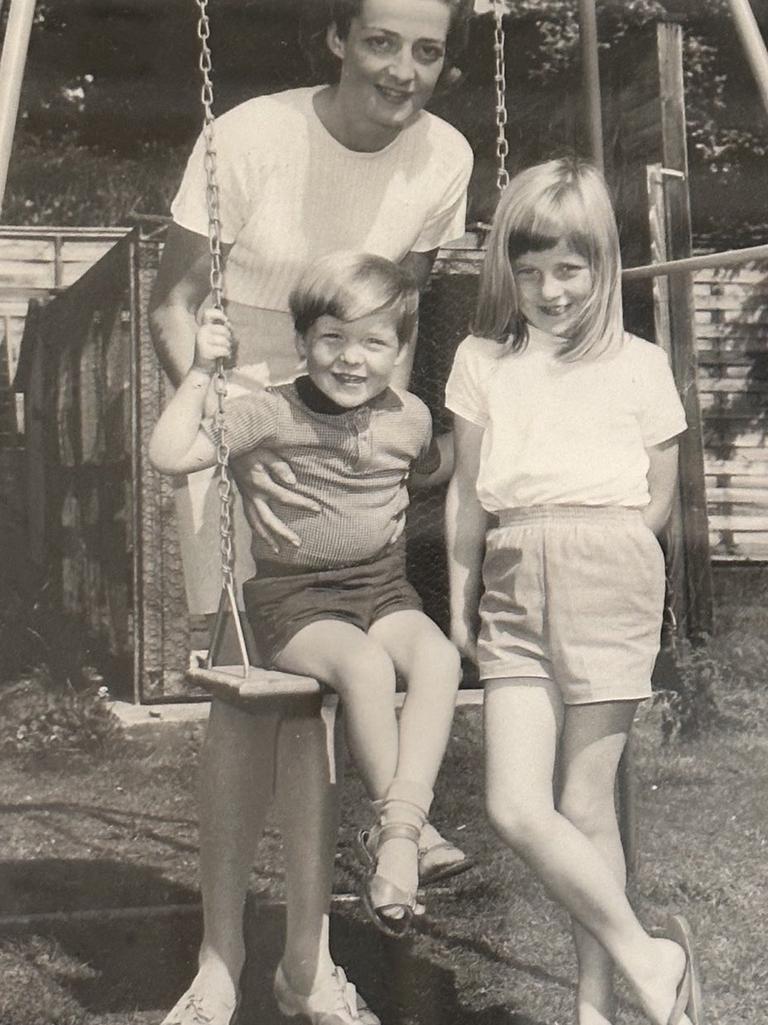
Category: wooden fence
[732,335]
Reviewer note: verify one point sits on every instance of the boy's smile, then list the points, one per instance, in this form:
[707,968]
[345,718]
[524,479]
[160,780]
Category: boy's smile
[552,287]
[352,361]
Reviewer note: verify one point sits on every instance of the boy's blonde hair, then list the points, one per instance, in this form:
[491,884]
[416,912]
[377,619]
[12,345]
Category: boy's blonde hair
[565,199]
[353,285]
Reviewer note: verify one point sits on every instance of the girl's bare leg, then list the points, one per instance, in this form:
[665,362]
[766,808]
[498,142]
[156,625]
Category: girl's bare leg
[521,733]
[589,762]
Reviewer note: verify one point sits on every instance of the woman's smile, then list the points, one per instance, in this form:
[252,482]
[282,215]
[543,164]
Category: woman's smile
[391,60]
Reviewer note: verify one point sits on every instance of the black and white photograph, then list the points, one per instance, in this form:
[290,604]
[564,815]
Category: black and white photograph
[383,512]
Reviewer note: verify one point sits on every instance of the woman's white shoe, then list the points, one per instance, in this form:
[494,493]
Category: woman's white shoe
[334,1002]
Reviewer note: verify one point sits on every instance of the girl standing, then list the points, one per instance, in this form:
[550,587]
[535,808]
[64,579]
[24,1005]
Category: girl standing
[566,463]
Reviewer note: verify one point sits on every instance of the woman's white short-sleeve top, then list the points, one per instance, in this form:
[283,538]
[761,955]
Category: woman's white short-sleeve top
[289,192]
[567,433]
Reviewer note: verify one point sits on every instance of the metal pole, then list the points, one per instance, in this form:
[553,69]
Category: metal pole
[728,258]
[753,43]
[590,69]
[17,33]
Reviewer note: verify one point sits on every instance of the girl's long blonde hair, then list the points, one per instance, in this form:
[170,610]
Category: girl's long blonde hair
[565,199]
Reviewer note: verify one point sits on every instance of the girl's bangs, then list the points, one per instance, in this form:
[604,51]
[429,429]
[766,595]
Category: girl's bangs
[555,219]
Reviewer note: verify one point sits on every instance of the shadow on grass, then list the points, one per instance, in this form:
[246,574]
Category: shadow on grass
[141,962]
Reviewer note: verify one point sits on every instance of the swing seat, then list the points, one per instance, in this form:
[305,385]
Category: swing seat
[241,684]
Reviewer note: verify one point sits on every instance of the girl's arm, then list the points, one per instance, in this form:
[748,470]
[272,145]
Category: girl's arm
[662,479]
[465,525]
[178,443]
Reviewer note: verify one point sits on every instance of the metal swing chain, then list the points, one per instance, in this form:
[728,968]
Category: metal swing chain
[500,79]
[217,288]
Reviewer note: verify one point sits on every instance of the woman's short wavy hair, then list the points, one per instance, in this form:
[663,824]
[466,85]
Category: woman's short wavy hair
[319,15]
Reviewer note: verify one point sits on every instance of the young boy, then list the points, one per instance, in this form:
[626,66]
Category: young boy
[339,607]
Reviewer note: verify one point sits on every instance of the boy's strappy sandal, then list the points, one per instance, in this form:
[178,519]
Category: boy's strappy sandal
[431,870]
[402,815]
[381,896]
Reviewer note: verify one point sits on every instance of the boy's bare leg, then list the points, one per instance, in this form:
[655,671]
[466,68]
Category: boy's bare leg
[431,667]
[363,676]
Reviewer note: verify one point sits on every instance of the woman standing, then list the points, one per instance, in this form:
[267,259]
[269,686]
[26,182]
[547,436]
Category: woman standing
[355,165]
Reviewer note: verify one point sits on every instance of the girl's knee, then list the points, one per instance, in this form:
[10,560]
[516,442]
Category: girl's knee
[590,812]
[519,822]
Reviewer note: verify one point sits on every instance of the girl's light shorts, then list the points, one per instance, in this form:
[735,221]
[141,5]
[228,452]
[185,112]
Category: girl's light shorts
[573,594]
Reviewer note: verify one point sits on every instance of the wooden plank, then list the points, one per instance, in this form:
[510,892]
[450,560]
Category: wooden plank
[72,272]
[742,524]
[747,273]
[26,274]
[747,498]
[728,368]
[26,250]
[741,467]
[748,439]
[747,551]
[733,386]
[16,307]
[84,250]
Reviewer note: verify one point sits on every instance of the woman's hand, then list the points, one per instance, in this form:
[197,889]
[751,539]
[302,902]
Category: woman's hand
[267,478]
[213,340]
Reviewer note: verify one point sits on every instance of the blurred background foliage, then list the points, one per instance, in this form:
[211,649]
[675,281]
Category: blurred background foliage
[111,98]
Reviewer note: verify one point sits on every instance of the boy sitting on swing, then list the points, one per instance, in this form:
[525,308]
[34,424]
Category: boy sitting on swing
[339,606]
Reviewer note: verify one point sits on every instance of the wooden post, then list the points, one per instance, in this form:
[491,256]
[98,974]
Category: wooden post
[697,617]
[645,125]
[753,43]
[591,80]
[17,33]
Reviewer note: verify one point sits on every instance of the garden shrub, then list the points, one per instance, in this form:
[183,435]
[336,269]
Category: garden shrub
[65,723]
[689,706]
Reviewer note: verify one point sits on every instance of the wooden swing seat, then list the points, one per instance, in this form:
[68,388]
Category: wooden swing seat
[241,684]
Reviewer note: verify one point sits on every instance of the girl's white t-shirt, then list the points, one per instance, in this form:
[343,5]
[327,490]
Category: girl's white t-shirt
[289,192]
[564,433]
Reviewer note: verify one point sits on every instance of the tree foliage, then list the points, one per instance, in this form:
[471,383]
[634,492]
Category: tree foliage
[119,74]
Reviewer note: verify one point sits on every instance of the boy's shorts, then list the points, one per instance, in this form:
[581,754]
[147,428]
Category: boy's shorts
[573,594]
[279,606]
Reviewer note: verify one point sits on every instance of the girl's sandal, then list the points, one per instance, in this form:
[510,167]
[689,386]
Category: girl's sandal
[381,895]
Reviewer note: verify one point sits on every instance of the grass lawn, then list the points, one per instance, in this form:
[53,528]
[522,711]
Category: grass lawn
[120,833]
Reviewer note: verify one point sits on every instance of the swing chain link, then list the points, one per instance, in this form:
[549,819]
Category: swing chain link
[500,80]
[225,490]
